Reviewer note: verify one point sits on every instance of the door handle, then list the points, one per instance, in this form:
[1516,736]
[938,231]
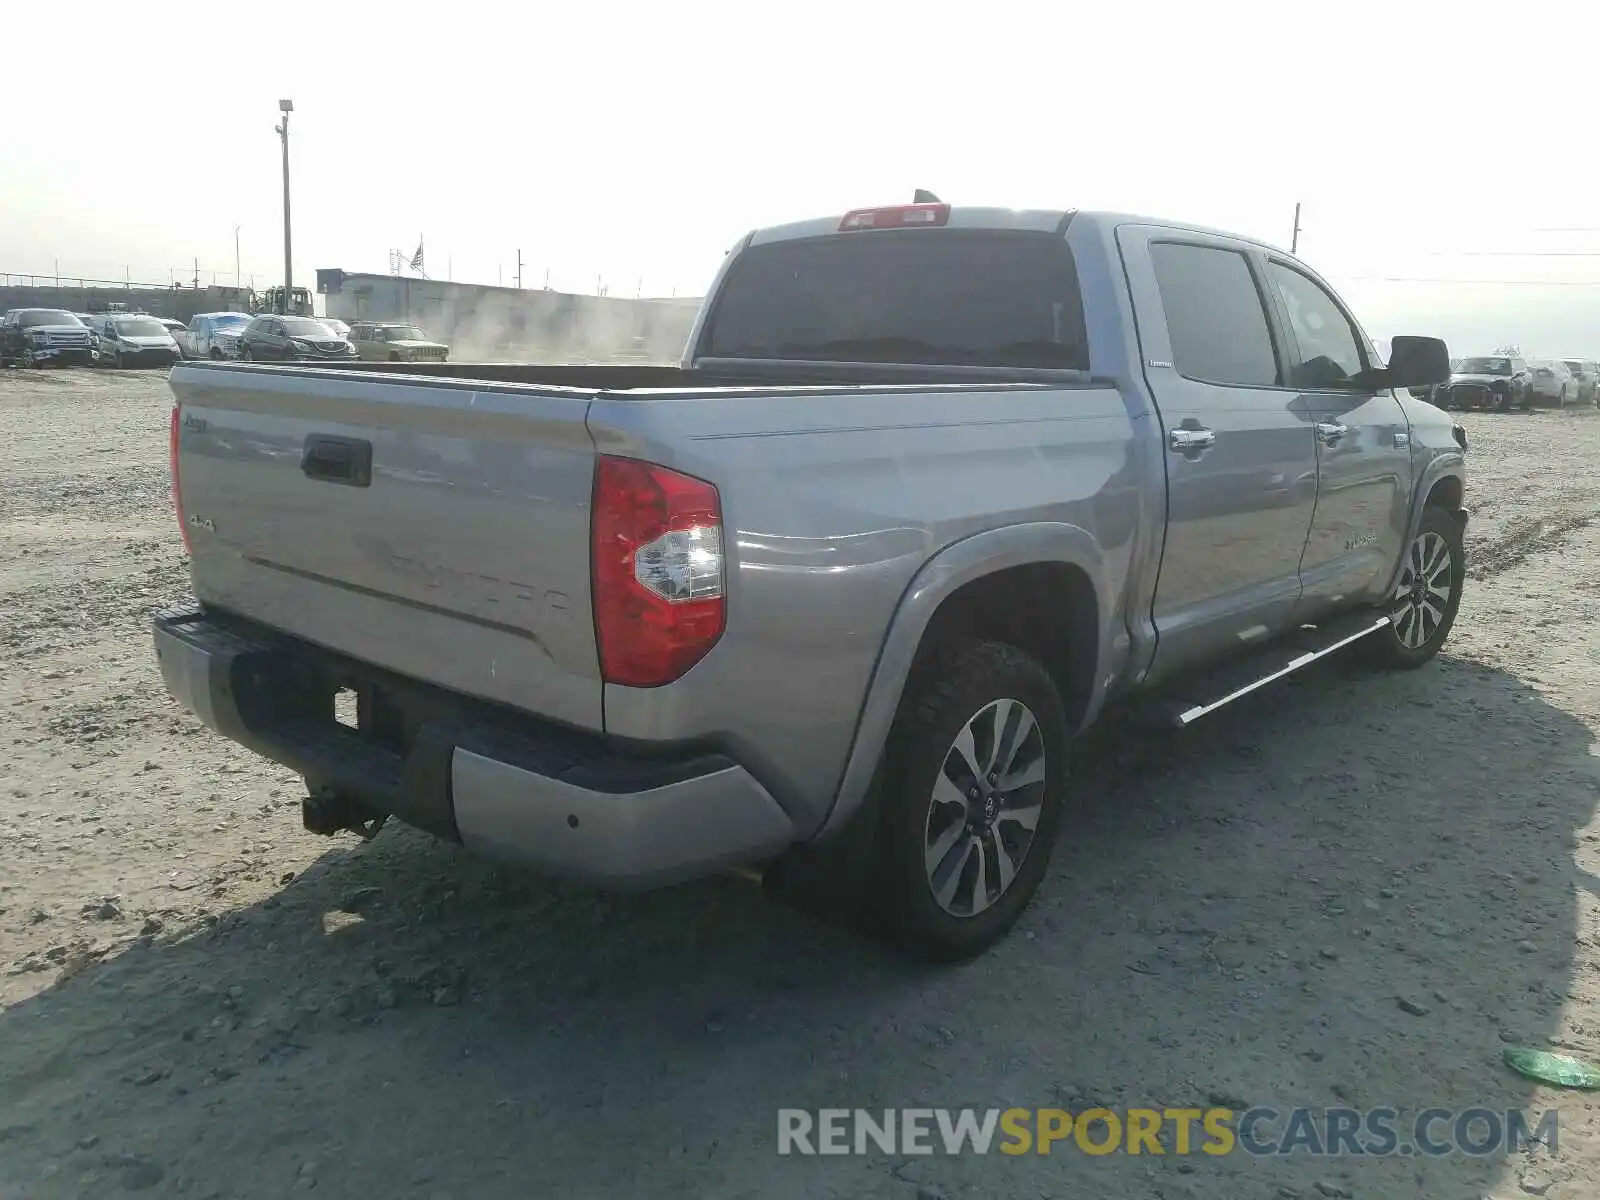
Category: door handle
[1187,441]
[1329,432]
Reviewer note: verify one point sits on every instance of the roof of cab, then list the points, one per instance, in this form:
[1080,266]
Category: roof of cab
[1045,220]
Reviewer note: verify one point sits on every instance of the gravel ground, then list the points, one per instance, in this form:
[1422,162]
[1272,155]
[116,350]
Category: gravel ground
[1355,892]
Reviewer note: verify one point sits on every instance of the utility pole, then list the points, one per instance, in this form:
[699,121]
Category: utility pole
[1294,238]
[197,274]
[519,270]
[237,274]
[286,107]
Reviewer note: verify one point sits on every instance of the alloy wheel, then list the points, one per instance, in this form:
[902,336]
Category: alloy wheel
[985,808]
[1422,595]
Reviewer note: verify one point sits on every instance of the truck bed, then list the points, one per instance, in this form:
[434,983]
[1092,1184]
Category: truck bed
[634,377]
[437,523]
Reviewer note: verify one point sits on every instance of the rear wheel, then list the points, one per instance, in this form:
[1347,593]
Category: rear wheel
[972,782]
[216,354]
[1423,605]
[394,356]
[244,353]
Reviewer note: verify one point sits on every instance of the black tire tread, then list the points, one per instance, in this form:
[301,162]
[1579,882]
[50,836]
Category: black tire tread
[1383,649]
[934,695]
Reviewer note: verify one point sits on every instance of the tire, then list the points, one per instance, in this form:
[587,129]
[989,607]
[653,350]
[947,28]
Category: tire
[930,905]
[1398,647]
[394,356]
[1502,401]
[216,355]
[244,354]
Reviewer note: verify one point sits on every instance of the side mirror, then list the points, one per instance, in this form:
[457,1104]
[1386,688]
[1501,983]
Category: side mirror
[1417,362]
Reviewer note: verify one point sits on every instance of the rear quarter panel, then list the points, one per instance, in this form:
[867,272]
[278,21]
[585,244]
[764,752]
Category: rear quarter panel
[833,501]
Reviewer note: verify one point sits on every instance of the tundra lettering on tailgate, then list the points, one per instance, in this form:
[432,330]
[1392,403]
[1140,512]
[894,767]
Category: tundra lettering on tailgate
[547,603]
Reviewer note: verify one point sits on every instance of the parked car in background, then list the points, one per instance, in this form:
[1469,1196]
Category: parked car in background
[271,337]
[1496,381]
[382,341]
[213,335]
[1586,375]
[337,326]
[1550,383]
[37,337]
[136,341]
[92,322]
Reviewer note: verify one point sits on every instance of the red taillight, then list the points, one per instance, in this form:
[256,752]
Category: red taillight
[903,216]
[177,492]
[658,586]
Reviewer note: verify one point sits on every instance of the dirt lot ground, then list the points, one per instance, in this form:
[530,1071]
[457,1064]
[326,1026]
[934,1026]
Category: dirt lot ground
[201,1000]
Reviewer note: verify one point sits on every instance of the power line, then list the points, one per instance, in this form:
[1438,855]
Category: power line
[1508,253]
[1479,282]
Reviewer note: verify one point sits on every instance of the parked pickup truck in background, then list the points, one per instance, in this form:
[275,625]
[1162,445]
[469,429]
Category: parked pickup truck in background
[933,486]
[213,335]
[1498,381]
[39,337]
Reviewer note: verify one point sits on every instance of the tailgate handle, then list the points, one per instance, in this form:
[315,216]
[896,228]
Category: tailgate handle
[338,460]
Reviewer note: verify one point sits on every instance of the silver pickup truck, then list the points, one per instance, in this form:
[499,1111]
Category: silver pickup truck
[933,486]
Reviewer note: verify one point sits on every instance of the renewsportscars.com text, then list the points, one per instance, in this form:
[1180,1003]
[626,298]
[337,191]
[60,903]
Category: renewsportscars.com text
[1377,1132]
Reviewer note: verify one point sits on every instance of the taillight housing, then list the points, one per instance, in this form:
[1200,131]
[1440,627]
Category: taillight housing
[177,491]
[658,581]
[900,216]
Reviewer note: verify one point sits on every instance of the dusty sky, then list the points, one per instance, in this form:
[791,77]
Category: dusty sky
[1445,155]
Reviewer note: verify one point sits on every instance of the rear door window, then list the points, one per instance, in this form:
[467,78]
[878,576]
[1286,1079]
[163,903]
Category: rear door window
[946,297]
[1215,318]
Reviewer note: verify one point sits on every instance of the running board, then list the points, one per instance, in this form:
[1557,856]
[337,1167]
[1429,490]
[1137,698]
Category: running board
[1188,702]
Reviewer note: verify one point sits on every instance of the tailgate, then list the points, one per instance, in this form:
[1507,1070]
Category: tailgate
[439,529]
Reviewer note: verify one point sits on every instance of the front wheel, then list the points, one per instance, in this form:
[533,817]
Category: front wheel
[973,778]
[244,354]
[1427,594]
[216,355]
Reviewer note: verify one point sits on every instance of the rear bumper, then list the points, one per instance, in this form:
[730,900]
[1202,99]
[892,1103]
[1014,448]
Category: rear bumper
[526,792]
[145,358]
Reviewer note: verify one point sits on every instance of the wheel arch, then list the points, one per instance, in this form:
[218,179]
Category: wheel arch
[990,583]
[1442,484]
